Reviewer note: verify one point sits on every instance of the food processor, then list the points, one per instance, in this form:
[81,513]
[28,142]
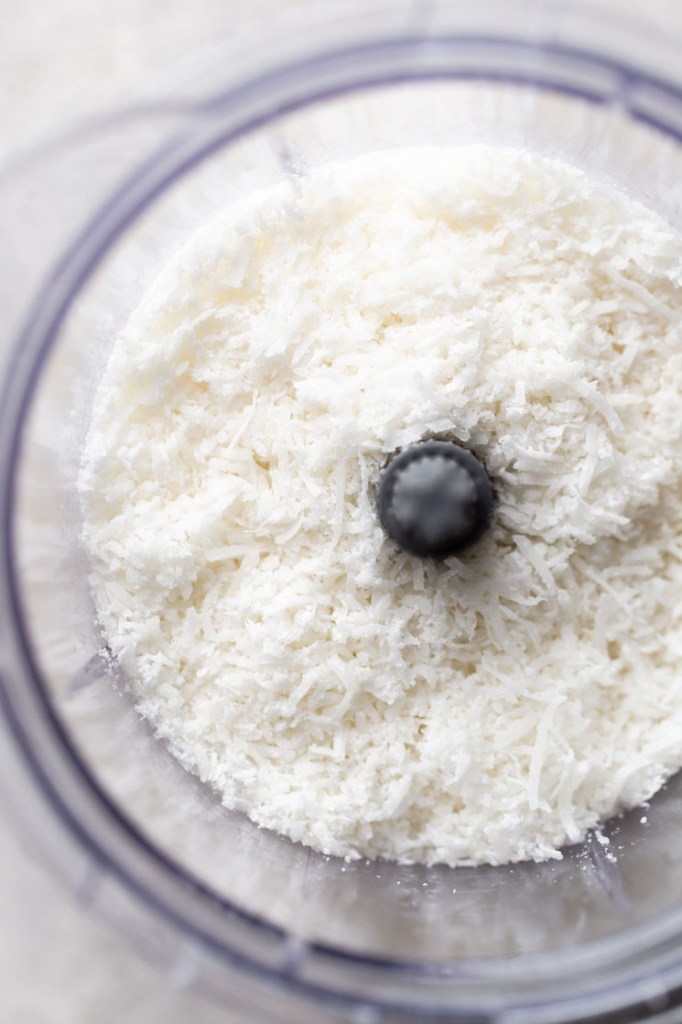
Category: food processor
[242,915]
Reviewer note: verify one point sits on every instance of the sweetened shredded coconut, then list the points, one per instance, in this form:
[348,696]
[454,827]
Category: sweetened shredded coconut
[488,708]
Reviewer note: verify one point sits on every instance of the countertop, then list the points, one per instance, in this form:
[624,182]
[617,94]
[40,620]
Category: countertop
[61,60]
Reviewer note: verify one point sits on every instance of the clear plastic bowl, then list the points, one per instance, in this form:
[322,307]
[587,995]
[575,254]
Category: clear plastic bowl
[244,915]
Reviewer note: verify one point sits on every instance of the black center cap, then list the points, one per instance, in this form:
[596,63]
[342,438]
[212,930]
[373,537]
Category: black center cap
[434,499]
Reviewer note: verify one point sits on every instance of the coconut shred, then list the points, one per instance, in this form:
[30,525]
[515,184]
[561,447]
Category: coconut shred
[487,707]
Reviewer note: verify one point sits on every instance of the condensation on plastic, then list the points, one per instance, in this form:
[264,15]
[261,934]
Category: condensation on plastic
[243,915]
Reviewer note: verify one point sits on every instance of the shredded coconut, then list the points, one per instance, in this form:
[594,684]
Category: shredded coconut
[488,708]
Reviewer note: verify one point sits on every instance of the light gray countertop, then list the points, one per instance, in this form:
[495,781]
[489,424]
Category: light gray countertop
[61,60]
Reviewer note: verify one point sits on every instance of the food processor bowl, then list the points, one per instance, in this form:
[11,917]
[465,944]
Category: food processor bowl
[243,915]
